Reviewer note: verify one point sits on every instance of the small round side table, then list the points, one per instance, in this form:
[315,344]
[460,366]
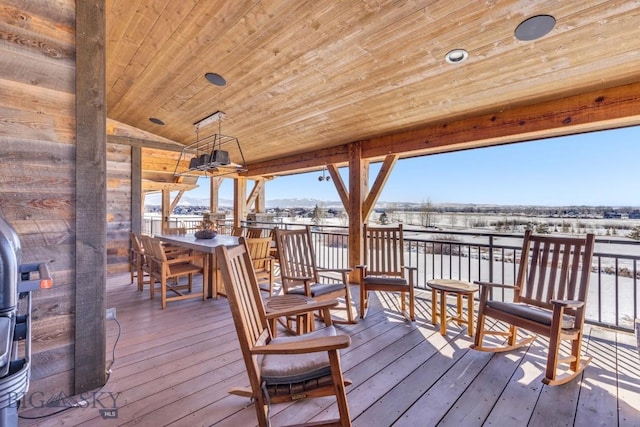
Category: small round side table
[460,289]
[304,322]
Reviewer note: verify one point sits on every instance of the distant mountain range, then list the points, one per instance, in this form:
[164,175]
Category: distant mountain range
[155,200]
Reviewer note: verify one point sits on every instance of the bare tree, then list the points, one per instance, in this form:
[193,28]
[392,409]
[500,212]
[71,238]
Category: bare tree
[317,215]
[427,216]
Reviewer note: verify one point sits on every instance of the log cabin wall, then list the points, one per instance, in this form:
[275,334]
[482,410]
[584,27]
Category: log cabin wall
[37,178]
[118,207]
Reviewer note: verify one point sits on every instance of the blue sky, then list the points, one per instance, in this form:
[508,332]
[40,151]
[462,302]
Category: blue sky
[597,168]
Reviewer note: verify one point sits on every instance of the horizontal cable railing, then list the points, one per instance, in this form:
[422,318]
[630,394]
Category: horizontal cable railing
[613,294]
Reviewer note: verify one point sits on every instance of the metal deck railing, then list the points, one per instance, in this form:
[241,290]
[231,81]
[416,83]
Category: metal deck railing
[613,296]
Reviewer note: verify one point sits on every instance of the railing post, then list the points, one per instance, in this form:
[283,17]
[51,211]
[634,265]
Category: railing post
[491,259]
[491,265]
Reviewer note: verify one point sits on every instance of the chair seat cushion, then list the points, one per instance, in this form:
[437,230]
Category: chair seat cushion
[318,289]
[296,368]
[530,312]
[386,281]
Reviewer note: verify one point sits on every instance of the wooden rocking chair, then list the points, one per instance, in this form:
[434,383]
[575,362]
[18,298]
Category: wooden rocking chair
[549,299]
[300,275]
[280,369]
[384,268]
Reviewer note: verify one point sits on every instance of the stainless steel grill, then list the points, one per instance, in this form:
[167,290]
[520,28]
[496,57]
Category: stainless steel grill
[17,281]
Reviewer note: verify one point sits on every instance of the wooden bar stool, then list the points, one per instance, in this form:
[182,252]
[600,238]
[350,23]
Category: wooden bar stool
[460,289]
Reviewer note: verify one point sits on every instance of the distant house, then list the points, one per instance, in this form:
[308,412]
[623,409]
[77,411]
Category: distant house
[612,215]
[634,214]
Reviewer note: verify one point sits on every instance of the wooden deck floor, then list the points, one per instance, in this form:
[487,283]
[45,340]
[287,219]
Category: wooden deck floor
[174,367]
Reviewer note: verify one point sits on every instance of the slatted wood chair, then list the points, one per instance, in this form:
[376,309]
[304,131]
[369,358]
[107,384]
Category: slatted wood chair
[263,263]
[280,369]
[549,299]
[252,232]
[174,231]
[237,231]
[136,259]
[300,275]
[384,268]
[168,270]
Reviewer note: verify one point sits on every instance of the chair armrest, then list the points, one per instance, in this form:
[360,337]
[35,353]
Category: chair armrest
[335,270]
[302,308]
[495,285]
[567,303]
[410,267]
[183,259]
[298,278]
[311,345]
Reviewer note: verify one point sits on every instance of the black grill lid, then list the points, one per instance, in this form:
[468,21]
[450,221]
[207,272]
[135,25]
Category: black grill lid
[10,259]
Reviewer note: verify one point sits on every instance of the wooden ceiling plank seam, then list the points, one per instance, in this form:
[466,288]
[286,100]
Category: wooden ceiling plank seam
[140,29]
[260,37]
[340,74]
[159,73]
[223,93]
[160,32]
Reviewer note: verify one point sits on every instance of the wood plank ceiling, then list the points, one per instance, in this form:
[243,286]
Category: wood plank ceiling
[304,76]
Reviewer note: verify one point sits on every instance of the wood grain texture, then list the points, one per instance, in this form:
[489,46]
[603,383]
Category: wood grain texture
[37,154]
[309,76]
[91,206]
[402,374]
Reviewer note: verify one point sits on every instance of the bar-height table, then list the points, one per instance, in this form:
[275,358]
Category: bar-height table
[204,245]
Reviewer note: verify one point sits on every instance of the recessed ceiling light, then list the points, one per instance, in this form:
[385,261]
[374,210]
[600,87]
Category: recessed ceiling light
[156,121]
[535,27]
[215,79]
[456,56]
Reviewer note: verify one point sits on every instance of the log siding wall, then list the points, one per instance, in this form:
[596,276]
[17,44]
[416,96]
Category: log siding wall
[38,174]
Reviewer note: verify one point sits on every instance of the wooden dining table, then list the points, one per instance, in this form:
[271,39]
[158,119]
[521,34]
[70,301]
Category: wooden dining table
[208,246]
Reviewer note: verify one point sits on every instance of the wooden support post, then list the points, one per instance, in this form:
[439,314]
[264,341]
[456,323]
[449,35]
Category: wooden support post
[239,200]
[91,197]
[378,185]
[166,208]
[214,198]
[137,201]
[176,200]
[261,200]
[258,187]
[358,185]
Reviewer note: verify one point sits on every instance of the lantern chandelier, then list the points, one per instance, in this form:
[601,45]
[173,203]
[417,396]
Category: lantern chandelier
[209,156]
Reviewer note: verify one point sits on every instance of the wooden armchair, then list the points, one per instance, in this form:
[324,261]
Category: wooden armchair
[253,232]
[260,251]
[167,270]
[300,275]
[549,299]
[384,268]
[136,259]
[174,231]
[280,369]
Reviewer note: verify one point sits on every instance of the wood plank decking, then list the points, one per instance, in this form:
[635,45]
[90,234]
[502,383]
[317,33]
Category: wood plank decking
[174,367]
